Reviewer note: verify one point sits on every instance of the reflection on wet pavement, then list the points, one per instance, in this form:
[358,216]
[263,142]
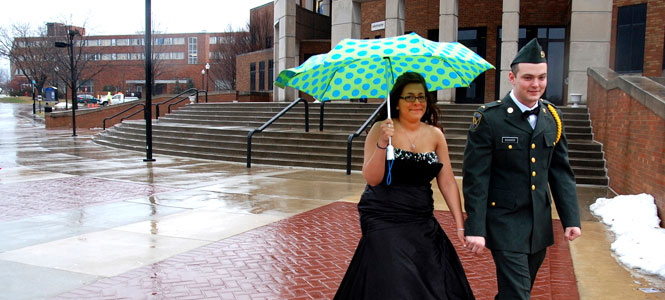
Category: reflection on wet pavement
[80,211]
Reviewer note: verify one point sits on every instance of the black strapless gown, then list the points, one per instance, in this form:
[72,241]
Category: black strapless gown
[403,252]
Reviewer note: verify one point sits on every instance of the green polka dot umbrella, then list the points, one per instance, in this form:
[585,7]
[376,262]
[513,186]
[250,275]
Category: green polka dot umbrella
[357,69]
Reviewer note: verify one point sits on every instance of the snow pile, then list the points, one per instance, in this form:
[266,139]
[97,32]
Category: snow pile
[640,242]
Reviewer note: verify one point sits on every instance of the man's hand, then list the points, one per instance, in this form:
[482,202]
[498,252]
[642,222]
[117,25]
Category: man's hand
[572,233]
[476,244]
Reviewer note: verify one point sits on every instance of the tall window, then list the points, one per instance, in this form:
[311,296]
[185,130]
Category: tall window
[474,39]
[262,75]
[193,51]
[631,26]
[270,74]
[252,77]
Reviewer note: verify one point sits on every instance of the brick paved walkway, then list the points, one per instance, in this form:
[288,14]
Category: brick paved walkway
[302,257]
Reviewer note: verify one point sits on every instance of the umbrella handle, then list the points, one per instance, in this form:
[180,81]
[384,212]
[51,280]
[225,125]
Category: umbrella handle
[390,150]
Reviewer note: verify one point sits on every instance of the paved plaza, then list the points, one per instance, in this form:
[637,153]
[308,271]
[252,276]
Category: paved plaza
[84,221]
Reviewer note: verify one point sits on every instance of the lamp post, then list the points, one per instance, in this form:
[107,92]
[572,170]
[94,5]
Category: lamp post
[72,84]
[33,98]
[207,80]
[203,73]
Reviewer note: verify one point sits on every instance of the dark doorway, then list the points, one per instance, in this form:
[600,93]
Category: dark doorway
[474,39]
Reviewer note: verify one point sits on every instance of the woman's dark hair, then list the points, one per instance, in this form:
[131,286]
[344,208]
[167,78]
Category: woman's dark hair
[431,115]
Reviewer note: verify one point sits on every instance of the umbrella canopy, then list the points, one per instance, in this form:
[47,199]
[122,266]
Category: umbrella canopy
[368,68]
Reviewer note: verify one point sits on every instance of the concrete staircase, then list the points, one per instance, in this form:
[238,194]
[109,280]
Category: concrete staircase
[219,131]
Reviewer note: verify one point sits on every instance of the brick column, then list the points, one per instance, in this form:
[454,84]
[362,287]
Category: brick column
[394,17]
[510,25]
[590,34]
[448,19]
[345,21]
[285,45]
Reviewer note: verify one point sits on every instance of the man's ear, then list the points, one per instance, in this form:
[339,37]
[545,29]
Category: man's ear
[511,77]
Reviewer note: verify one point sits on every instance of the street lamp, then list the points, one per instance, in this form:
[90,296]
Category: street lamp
[203,73]
[207,80]
[33,98]
[72,84]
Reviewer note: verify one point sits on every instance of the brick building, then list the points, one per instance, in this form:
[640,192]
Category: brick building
[628,35]
[115,63]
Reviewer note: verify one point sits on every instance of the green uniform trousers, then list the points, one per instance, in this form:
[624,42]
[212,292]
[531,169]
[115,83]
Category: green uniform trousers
[516,272]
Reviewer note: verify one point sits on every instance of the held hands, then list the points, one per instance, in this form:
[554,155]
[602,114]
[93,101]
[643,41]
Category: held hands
[460,236]
[387,131]
[572,233]
[476,244]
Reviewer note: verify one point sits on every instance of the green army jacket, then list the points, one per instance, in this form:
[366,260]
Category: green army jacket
[508,172]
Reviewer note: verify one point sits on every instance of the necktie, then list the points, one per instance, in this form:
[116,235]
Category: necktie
[527,113]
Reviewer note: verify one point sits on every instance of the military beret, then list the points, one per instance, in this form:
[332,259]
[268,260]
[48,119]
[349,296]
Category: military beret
[530,53]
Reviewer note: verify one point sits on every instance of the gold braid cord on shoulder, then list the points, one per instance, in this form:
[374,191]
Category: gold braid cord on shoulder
[558,121]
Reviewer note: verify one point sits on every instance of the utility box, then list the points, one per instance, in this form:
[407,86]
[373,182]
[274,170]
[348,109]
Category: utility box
[51,94]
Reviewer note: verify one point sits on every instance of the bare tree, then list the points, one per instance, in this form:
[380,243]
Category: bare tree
[86,62]
[257,35]
[4,81]
[31,52]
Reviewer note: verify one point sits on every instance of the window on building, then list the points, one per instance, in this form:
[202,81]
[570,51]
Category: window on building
[123,56]
[159,41]
[213,40]
[262,75]
[270,74]
[87,87]
[252,77]
[107,42]
[631,27]
[476,40]
[178,41]
[193,51]
[269,42]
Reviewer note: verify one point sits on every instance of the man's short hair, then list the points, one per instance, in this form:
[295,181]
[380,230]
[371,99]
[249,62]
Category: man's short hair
[514,68]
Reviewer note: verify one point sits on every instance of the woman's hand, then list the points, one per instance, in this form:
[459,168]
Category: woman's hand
[387,131]
[461,237]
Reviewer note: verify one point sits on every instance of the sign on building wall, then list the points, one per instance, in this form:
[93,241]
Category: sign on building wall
[378,25]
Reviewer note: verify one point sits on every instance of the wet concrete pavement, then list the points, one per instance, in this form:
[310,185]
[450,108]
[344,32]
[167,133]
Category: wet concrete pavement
[83,221]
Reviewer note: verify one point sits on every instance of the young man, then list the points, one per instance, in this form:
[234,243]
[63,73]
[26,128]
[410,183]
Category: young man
[516,152]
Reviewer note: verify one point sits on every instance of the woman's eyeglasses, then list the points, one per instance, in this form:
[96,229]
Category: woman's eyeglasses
[411,98]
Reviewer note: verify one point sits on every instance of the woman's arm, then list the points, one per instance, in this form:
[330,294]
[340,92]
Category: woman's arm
[374,162]
[447,184]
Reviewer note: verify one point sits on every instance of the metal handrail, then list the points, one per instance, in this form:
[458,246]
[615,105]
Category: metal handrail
[266,124]
[357,133]
[190,92]
[321,116]
[174,103]
[122,112]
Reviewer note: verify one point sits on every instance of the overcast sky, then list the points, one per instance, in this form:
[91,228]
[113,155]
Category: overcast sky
[128,16]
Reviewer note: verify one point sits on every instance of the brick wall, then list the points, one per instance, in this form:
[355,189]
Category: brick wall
[242,69]
[654,35]
[94,118]
[633,139]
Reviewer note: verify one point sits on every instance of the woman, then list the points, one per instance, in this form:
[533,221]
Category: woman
[403,252]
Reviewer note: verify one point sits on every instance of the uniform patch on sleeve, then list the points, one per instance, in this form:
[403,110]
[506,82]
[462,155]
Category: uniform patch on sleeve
[476,120]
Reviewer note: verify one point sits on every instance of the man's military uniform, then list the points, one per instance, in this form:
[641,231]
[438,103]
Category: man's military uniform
[509,169]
